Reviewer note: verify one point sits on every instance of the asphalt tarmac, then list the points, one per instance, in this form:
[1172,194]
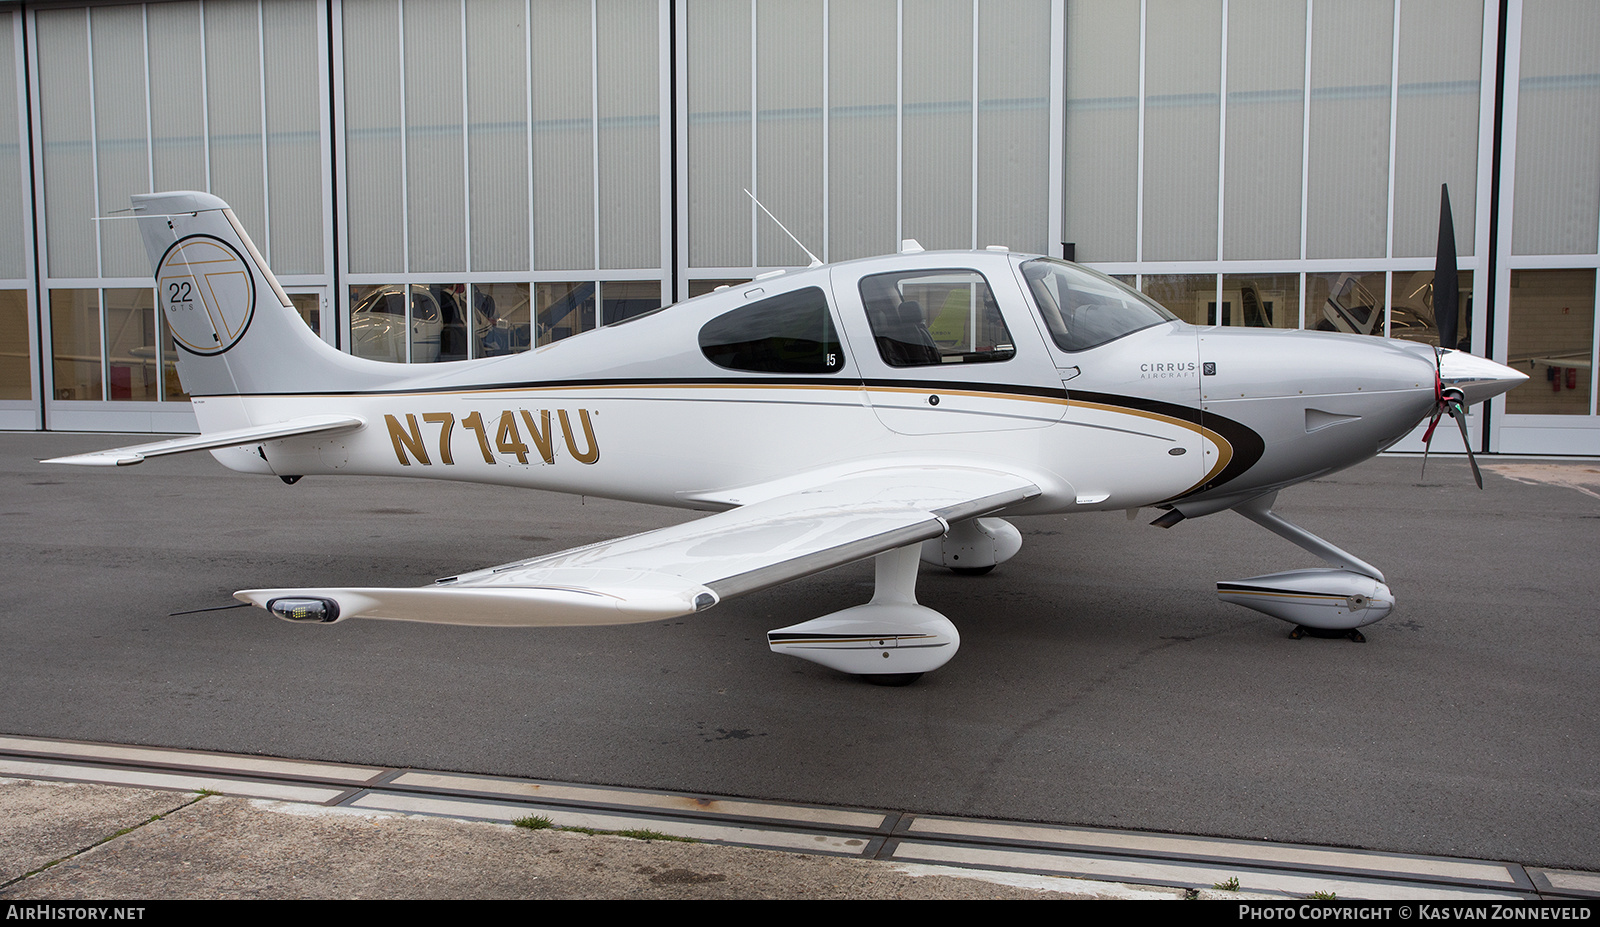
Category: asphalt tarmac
[1100,681]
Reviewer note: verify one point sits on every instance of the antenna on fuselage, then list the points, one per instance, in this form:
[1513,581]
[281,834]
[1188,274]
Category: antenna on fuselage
[815,261]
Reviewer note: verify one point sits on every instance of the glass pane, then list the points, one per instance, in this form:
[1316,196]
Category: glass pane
[132,365]
[1266,108]
[12,262]
[372,135]
[309,305]
[1436,128]
[378,322]
[935,317]
[1102,151]
[861,129]
[172,386]
[620,300]
[1350,303]
[788,333]
[294,135]
[630,134]
[75,343]
[120,140]
[563,136]
[1348,201]
[1411,315]
[1014,124]
[435,161]
[789,66]
[1190,297]
[1551,339]
[1183,70]
[502,314]
[438,322]
[1557,198]
[62,37]
[177,112]
[233,106]
[936,149]
[497,133]
[719,133]
[562,310]
[16,359]
[1082,309]
[1261,300]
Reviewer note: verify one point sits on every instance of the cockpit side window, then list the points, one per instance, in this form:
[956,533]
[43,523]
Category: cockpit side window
[1084,309]
[789,333]
[926,317]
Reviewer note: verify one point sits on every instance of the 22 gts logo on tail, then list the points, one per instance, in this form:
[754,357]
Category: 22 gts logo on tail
[410,442]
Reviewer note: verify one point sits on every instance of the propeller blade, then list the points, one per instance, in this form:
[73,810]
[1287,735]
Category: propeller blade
[1446,288]
[1460,415]
[1427,442]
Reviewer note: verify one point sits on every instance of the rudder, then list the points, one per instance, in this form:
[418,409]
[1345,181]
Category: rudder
[236,331]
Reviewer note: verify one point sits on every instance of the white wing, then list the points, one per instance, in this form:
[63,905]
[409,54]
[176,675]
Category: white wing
[690,567]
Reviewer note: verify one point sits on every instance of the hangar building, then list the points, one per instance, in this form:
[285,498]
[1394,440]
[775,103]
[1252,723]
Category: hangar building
[437,179]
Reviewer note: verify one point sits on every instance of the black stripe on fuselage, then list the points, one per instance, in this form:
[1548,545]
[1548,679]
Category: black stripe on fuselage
[1246,444]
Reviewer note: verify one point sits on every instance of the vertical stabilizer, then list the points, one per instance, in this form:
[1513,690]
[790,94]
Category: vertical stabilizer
[234,327]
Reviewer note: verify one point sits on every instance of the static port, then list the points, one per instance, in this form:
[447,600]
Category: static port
[307,609]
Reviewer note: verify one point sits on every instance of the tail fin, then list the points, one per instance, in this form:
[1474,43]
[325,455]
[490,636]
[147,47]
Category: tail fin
[236,331]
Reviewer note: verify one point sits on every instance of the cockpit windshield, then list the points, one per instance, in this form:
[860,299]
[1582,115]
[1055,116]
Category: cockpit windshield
[1084,309]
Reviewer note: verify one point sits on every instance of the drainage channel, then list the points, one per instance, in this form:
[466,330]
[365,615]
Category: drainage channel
[1286,870]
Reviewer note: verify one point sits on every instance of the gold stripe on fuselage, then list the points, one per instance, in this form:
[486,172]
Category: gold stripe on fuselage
[1224,447]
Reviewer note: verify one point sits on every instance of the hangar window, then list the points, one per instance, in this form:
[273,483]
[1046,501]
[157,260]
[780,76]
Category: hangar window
[928,317]
[1084,309]
[788,333]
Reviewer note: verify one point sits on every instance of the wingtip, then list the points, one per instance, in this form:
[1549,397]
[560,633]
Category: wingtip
[97,459]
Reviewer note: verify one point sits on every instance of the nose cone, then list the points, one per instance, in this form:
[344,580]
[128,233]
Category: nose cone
[1477,378]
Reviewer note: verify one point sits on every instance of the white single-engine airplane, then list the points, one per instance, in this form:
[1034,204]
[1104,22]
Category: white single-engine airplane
[886,407]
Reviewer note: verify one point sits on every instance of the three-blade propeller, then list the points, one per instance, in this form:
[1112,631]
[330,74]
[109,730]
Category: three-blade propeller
[1449,402]
[1446,316]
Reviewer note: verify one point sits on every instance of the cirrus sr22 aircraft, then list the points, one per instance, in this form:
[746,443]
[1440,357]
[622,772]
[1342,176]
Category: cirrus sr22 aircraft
[890,408]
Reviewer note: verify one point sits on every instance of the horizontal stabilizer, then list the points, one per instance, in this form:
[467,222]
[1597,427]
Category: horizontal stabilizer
[236,437]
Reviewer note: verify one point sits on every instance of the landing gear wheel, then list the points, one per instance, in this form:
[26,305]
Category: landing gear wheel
[972,571]
[891,679]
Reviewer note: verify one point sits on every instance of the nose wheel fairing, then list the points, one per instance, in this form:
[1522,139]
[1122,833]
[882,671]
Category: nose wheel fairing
[1329,600]
[1344,598]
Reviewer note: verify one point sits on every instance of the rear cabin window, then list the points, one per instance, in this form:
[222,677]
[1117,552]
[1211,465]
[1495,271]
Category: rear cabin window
[922,318]
[788,333]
